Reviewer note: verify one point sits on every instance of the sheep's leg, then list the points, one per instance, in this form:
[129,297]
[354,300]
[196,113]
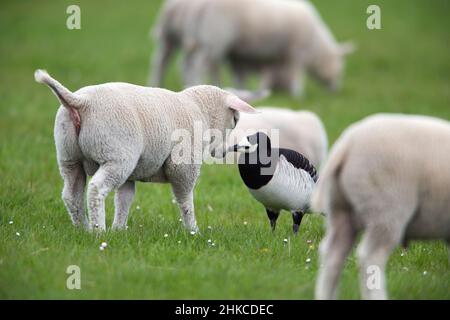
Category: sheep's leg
[334,248]
[240,77]
[122,202]
[73,192]
[183,177]
[273,216]
[159,63]
[215,74]
[107,178]
[373,254]
[297,218]
[296,85]
[196,65]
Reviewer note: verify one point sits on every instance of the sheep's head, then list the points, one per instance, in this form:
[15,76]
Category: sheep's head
[221,108]
[329,66]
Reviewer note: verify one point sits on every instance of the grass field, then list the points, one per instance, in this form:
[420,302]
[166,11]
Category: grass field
[404,67]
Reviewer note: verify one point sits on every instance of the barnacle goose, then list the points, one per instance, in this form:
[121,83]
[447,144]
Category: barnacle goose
[281,179]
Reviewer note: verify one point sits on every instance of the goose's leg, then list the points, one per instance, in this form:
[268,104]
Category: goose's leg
[273,216]
[297,218]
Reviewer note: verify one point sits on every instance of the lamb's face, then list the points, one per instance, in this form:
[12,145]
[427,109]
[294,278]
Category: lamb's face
[222,109]
[228,120]
[229,116]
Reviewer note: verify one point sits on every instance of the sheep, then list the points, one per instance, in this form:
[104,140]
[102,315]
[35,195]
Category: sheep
[121,133]
[287,37]
[388,176]
[302,131]
[176,28]
[172,31]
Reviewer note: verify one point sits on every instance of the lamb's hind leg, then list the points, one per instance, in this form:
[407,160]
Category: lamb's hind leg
[122,202]
[108,177]
[73,192]
[373,253]
[334,248]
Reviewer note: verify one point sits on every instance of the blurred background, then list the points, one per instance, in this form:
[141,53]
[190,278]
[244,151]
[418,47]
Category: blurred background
[404,67]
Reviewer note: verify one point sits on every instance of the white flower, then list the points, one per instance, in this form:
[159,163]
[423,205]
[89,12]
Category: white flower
[11,222]
[181,220]
[209,241]
[209,228]
[104,244]
[308,241]
[425,273]
[101,248]
[174,201]
[179,241]
[245,223]
[166,235]
[285,240]
[193,233]
[213,244]
[308,260]
[138,208]
[18,234]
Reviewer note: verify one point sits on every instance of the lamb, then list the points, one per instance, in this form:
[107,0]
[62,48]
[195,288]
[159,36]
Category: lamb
[388,176]
[302,131]
[278,36]
[120,133]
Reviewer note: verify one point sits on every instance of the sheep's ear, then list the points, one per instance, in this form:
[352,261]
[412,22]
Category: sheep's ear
[347,47]
[237,104]
[250,96]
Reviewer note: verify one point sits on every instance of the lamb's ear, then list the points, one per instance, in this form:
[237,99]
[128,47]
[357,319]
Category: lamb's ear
[347,47]
[237,104]
[250,96]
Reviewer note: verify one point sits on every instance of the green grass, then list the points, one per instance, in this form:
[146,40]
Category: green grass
[404,67]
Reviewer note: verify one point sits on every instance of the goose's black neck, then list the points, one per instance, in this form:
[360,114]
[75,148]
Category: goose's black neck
[257,168]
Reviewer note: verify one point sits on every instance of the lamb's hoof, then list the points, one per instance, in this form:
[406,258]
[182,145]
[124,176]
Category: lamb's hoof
[295,228]
[96,228]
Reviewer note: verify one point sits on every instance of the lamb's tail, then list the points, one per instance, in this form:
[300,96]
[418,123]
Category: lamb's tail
[327,183]
[65,96]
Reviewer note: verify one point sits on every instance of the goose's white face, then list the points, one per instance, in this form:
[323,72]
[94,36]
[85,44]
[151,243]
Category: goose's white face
[245,146]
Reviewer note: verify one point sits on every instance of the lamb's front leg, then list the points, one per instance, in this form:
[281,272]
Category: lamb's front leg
[122,202]
[183,177]
[186,204]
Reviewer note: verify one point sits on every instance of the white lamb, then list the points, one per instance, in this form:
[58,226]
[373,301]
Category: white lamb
[388,176]
[120,133]
[302,131]
[287,37]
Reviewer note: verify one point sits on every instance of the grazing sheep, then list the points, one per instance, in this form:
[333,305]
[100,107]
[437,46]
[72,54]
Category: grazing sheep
[176,28]
[388,176]
[302,131]
[173,30]
[120,133]
[270,35]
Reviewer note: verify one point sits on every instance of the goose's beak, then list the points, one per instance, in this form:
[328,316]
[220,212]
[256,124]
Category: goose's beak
[234,148]
[243,146]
